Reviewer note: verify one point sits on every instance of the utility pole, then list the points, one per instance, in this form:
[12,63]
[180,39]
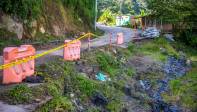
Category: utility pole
[95,15]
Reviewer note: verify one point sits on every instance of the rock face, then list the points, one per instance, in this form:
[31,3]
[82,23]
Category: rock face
[6,22]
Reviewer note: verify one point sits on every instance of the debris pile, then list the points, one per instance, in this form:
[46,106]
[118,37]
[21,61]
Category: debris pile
[170,37]
[99,99]
[175,67]
[34,79]
[151,32]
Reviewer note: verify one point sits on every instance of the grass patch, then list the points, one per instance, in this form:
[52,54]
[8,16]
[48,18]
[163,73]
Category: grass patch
[108,63]
[183,90]
[114,106]
[55,74]
[111,62]
[57,104]
[20,94]
[86,86]
[153,49]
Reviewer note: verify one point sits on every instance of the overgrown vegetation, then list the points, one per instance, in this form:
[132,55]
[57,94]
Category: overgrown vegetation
[84,10]
[20,94]
[158,49]
[189,37]
[108,63]
[81,86]
[32,9]
[183,90]
[64,84]
[24,9]
[57,104]
[181,13]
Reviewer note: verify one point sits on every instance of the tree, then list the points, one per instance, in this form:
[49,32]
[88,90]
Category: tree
[181,13]
[131,7]
[173,10]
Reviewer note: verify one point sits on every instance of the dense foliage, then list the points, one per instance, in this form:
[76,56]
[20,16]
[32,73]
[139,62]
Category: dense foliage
[83,8]
[32,9]
[23,9]
[181,13]
[132,7]
[119,7]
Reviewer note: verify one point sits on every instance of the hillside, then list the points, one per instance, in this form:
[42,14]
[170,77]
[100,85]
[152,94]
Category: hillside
[27,18]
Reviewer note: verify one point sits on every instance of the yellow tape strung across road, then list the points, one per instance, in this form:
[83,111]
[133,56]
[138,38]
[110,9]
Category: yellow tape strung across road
[44,53]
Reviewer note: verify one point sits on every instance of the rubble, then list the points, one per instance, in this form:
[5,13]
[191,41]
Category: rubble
[99,99]
[151,32]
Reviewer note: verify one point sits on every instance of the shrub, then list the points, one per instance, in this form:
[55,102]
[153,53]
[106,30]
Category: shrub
[189,37]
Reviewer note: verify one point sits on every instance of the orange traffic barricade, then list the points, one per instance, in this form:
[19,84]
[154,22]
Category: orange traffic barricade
[72,51]
[120,38]
[17,73]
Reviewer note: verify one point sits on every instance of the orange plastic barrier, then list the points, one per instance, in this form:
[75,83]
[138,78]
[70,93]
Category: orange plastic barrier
[72,51]
[120,38]
[19,72]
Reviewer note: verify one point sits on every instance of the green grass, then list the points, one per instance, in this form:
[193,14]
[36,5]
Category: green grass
[20,94]
[108,63]
[67,81]
[55,74]
[86,85]
[183,90]
[115,106]
[57,104]
[152,48]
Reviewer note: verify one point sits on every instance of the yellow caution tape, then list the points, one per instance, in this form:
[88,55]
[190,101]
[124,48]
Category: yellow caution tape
[25,60]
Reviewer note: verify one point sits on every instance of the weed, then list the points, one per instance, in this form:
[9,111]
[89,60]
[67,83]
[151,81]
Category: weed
[20,94]
[55,88]
[86,86]
[131,47]
[129,71]
[152,48]
[108,63]
[184,90]
[114,106]
[57,104]
[93,109]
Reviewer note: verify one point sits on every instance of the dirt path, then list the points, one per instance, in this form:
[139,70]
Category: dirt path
[101,41]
